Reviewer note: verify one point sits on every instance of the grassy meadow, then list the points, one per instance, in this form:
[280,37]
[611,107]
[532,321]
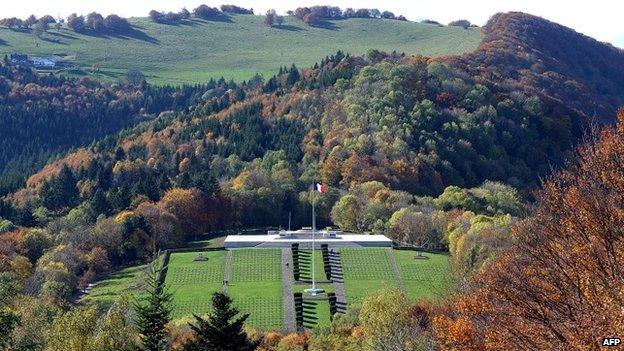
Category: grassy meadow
[236,48]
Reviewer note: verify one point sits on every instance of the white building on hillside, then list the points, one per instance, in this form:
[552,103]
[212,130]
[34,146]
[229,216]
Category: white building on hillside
[304,237]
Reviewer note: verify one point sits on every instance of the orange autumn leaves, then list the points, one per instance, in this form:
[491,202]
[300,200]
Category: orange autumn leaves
[561,284]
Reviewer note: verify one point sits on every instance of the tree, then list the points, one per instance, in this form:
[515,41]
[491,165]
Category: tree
[206,12]
[38,29]
[115,23]
[222,331]
[134,78]
[72,331]
[293,75]
[191,207]
[461,23]
[30,21]
[75,22]
[390,322]
[156,16]
[559,286]
[346,213]
[61,191]
[95,22]
[270,17]
[153,314]
[9,288]
[114,331]
[412,227]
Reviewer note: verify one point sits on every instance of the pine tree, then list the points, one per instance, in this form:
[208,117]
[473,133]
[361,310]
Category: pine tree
[98,204]
[293,75]
[61,191]
[153,314]
[222,331]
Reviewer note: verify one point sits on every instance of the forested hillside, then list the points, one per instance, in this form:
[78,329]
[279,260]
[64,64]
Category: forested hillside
[411,123]
[43,115]
[537,56]
[436,153]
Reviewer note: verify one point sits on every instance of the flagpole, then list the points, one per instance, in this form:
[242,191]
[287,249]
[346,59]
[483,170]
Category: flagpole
[313,236]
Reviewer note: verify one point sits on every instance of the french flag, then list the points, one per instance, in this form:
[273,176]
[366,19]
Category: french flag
[321,188]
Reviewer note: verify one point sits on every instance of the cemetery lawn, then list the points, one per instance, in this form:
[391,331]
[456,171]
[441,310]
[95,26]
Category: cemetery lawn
[256,286]
[424,278]
[366,271]
[305,265]
[316,314]
[192,283]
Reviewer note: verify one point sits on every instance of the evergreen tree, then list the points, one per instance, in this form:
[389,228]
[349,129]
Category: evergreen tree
[222,331]
[153,314]
[61,191]
[293,75]
[98,204]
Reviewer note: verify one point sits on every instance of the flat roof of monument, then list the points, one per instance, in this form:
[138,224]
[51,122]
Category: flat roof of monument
[277,240]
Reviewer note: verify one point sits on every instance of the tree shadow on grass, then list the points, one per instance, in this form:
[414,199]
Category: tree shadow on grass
[221,18]
[62,35]
[132,33]
[52,40]
[323,24]
[288,27]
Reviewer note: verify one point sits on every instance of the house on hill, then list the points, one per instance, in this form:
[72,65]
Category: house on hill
[43,62]
[18,59]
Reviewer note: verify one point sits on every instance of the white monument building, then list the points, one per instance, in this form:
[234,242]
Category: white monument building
[306,237]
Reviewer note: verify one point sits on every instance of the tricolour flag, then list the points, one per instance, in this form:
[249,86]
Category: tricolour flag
[321,188]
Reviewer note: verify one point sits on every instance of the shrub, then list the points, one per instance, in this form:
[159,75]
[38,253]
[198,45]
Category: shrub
[206,12]
[157,16]
[236,9]
[461,23]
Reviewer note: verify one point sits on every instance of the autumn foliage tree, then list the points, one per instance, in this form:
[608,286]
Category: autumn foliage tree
[191,207]
[560,285]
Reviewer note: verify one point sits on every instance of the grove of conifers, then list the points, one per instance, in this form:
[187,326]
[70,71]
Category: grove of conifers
[434,153]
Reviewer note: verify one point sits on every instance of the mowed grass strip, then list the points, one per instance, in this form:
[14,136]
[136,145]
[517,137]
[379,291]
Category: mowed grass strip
[428,278]
[316,314]
[192,283]
[256,286]
[366,271]
[305,265]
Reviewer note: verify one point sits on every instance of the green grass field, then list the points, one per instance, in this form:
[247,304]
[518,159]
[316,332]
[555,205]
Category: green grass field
[256,282]
[316,314]
[366,271]
[126,281]
[256,286]
[424,278]
[193,282]
[305,262]
[236,49]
